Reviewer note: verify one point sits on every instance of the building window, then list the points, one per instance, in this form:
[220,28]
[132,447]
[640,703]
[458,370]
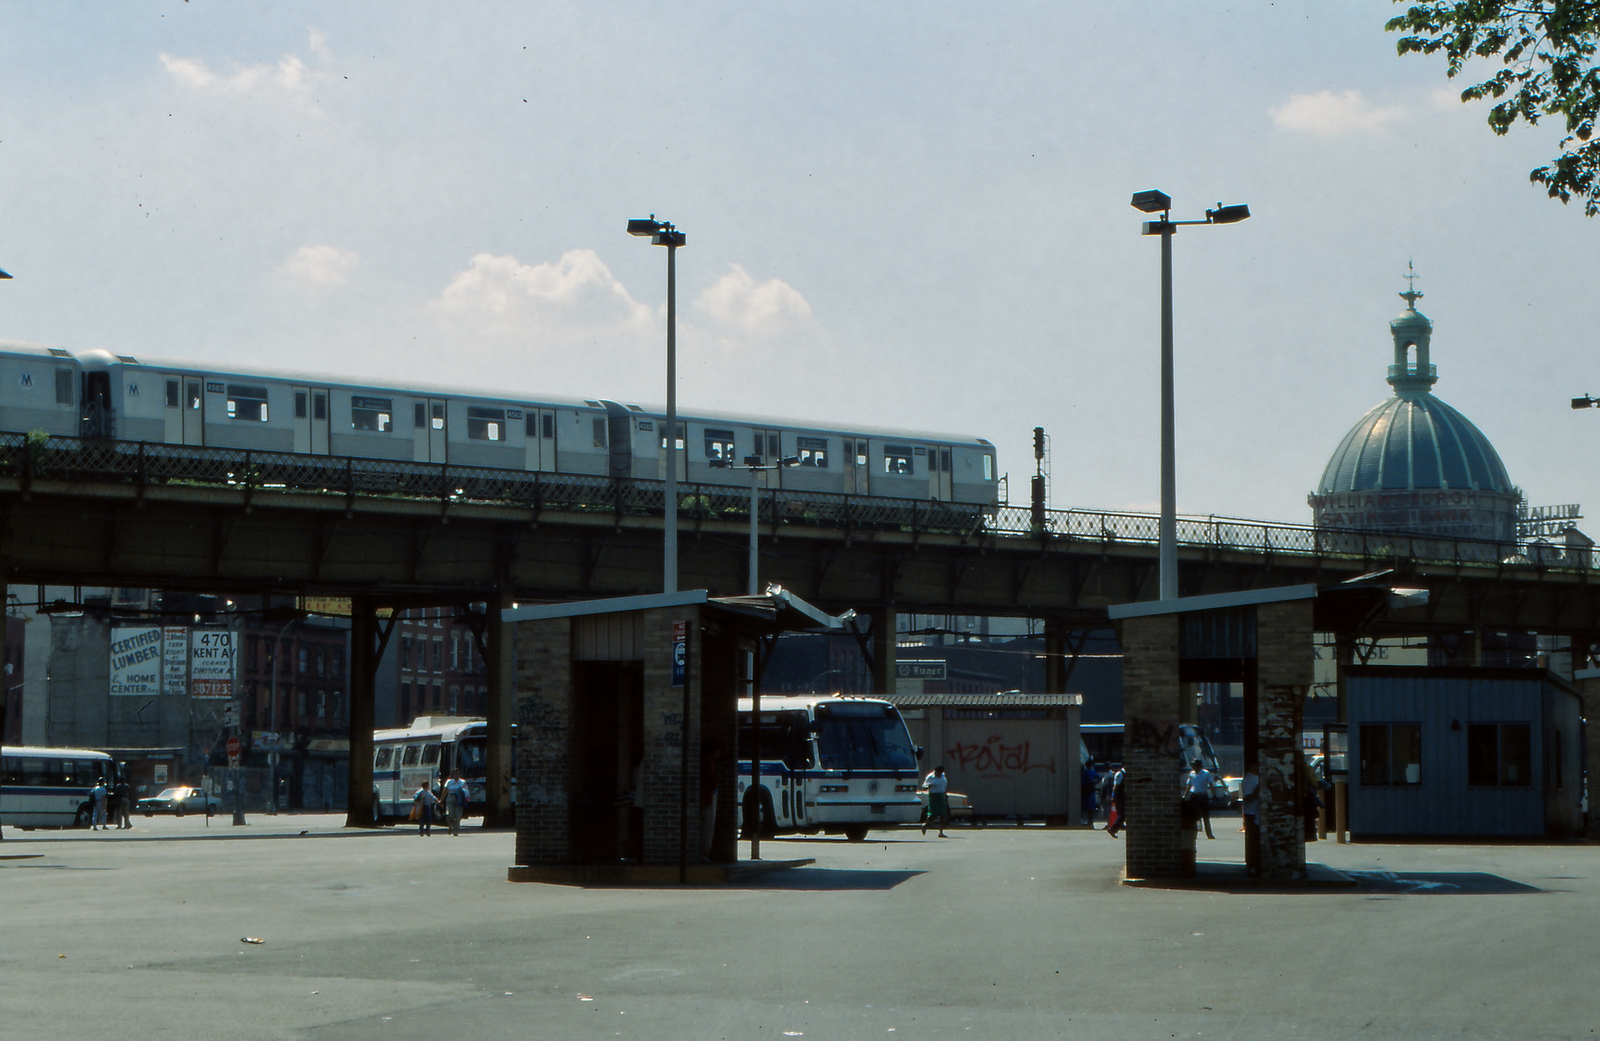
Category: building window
[405,652]
[1499,755]
[1391,753]
[438,696]
[322,704]
[486,424]
[376,414]
[438,656]
[247,403]
[455,652]
[300,703]
[897,459]
[322,661]
[813,451]
[305,661]
[719,445]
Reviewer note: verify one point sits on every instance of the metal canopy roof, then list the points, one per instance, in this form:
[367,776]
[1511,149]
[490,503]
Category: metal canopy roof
[766,614]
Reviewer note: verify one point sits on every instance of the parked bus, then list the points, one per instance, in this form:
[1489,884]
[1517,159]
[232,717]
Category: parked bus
[49,787]
[830,764]
[427,751]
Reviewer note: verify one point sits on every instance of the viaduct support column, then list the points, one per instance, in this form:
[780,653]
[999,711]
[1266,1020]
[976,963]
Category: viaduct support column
[883,650]
[1283,664]
[1159,846]
[1588,684]
[1055,682]
[500,643]
[363,675]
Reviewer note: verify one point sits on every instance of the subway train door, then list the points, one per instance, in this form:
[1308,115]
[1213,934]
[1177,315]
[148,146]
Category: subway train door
[430,431]
[311,420]
[769,446]
[541,443]
[856,470]
[192,425]
[939,473]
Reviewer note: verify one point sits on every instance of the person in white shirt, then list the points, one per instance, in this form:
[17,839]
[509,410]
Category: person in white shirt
[455,801]
[1197,797]
[937,785]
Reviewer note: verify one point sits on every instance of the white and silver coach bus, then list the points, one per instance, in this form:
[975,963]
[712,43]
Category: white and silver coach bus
[49,787]
[830,764]
[405,758]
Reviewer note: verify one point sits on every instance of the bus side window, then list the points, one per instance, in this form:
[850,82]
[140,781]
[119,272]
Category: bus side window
[799,754]
[430,754]
[10,770]
[412,754]
[385,754]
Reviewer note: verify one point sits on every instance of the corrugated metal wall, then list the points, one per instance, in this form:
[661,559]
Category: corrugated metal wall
[1444,703]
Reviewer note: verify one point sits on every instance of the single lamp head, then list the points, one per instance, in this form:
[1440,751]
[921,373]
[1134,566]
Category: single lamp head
[1228,214]
[1152,201]
[647,226]
[4,275]
[1583,402]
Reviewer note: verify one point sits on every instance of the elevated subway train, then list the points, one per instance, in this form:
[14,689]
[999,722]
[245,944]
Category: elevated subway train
[164,401]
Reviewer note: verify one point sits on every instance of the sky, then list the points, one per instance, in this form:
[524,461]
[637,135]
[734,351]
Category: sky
[898,214]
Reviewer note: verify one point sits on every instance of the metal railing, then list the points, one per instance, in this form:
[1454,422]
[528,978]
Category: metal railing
[34,457]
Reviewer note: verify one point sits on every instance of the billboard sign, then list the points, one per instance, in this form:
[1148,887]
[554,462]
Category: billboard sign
[174,660]
[211,663]
[136,662]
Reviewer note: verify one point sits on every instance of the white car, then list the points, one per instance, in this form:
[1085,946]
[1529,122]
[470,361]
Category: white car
[178,801]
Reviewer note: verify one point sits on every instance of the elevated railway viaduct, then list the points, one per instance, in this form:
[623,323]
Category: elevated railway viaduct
[393,535]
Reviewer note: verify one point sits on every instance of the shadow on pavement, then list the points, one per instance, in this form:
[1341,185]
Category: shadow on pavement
[808,879]
[1438,883]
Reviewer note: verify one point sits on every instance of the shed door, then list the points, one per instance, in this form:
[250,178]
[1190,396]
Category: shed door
[939,473]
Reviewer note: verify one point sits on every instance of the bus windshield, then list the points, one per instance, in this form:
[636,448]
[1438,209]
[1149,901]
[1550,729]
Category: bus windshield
[863,737]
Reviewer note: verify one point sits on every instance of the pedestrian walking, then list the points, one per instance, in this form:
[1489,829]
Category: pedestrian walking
[1086,787]
[97,809]
[422,804]
[1197,797]
[1117,819]
[1250,796]
[122,803]
[455,801]
[937,785]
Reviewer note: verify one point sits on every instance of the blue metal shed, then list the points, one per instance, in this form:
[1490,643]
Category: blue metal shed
[1463,752]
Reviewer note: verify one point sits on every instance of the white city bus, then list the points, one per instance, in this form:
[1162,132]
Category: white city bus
[49,787]
[830,764]
[426,752]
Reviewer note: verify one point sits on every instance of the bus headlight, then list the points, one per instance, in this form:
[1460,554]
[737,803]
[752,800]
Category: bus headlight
[905,787]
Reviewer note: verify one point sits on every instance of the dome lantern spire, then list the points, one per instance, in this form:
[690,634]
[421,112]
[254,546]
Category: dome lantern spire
[1411,375]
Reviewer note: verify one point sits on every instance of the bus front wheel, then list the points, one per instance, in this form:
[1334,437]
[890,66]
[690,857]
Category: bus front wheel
[855,832]
[758,802]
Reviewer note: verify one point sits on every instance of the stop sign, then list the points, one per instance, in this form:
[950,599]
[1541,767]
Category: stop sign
[233,748]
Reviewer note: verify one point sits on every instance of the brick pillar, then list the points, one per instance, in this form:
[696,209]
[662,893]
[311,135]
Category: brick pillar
[363,669]
[671,740]
[1588,684]
[1159,846]
[1283,673]
[543,656]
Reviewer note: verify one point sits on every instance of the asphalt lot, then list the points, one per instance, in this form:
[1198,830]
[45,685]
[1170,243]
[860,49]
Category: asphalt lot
[994,933]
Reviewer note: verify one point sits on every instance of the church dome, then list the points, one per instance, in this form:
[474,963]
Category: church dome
[1414,464]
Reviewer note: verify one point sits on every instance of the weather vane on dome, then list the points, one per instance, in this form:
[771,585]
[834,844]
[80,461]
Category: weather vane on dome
[1411,296]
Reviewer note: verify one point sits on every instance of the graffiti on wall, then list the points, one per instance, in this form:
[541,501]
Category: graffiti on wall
[995,758]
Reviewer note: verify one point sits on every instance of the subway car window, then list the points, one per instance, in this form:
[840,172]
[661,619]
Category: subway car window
[719,445]
[299,404]
[372,414]
[486,424]
[247,403]
[813,451]
[172,393]
[600,439]
[64,395]
[897,459]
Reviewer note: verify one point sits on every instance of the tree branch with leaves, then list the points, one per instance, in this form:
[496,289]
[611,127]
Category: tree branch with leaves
[1546,51]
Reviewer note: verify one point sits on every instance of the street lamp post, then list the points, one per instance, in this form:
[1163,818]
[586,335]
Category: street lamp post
[1153,201]
[663,233]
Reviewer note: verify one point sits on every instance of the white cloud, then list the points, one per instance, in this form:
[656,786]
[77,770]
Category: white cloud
[1328,114]
[321,265]
[290,73]
[502,294]
[740,305]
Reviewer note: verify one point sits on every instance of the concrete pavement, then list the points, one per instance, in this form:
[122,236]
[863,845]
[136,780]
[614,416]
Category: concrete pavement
[994,933]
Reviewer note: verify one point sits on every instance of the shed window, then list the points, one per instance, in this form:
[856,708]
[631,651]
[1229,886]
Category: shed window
[719,445]
[486,424]
[813,451]
[247,403]
[1499,755]
[897,459]
[1391,753]
[375,414]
